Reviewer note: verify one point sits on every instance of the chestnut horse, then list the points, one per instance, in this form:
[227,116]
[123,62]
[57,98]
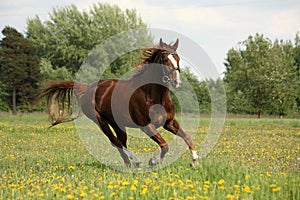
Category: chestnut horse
[142,101]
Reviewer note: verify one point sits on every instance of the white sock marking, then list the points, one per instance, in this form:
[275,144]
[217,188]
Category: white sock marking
[194,155]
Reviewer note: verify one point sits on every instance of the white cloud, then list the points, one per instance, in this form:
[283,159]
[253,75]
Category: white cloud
[284,23]
[216,27]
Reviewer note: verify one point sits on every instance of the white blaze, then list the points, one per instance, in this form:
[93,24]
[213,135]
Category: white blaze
[173,61]
[178,81]
[177,74]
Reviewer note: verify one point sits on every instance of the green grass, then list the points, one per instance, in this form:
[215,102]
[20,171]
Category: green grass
[253,159]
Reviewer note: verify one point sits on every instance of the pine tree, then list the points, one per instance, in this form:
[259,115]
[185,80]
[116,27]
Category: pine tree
[19,66]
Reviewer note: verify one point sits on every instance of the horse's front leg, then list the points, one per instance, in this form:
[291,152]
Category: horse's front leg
[174,127]
[155,136]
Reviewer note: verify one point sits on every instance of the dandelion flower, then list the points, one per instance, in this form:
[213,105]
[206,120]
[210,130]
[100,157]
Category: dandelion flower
[156,187]
[132,188]
[221,182]
[230,196]
[125,183]
[276,189]
[144,191]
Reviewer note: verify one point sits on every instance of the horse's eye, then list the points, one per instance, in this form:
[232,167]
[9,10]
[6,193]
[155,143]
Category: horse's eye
[166,60]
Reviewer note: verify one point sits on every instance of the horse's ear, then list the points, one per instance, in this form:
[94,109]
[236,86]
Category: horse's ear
[175,46]
[161,43]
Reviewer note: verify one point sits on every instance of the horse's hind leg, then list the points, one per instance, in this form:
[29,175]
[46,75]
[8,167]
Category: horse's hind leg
[122,136]
[155,136]
[114,140]
[174,127]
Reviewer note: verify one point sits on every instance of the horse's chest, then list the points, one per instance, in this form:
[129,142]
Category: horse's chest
[157,114]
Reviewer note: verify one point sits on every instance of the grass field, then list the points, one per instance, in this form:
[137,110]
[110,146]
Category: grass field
[253,159]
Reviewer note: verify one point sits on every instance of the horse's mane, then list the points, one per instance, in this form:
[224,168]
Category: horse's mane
[148,55]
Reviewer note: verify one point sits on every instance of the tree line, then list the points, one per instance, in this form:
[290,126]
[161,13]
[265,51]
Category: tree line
[261,76]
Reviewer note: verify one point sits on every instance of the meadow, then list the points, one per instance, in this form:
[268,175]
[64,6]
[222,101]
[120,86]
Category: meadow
[253,159]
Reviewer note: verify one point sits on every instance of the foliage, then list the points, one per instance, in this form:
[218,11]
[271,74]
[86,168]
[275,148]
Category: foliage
[49,73]
[199,94]
[67,38]
[217,95]
[19,68]
[253,159]
[262,74]
[3,96]
[200,89]
[297,63]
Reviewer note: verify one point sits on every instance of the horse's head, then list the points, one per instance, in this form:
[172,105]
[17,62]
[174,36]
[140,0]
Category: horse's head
[170,60]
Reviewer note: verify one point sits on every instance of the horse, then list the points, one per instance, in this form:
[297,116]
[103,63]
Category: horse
[146,93]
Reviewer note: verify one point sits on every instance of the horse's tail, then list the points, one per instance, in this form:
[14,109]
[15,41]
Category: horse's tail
[59,95]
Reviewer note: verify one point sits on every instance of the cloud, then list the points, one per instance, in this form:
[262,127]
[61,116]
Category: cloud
[213,25]
[285,22]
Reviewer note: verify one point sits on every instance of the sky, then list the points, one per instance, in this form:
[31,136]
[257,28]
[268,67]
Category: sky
[216,26]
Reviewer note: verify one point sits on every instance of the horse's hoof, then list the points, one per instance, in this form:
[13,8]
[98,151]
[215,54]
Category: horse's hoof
[154,161]
[137,164]
[195,163]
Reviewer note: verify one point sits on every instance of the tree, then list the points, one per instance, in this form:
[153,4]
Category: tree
[66,39]
[297,64]
[19,67]
[284,77]
[196,93]
[49,73]
[263,73]
[3,97]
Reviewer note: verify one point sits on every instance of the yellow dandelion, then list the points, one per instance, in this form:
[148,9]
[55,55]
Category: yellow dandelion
[221,182]
[132,188]
[40,195]
[276,189]
[110,186]
[125,183]
[112,194]
[144,191]
[156,187]
[247,189]
[247,177]
[70,197]
[71,167]
[92,191]
[154,173]
[205,187]
[85,187]
[236,187]
[230,196]
[221,187]
[82,194]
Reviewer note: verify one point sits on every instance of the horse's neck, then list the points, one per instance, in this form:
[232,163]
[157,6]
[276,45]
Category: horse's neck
[155,92]
[151,82]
